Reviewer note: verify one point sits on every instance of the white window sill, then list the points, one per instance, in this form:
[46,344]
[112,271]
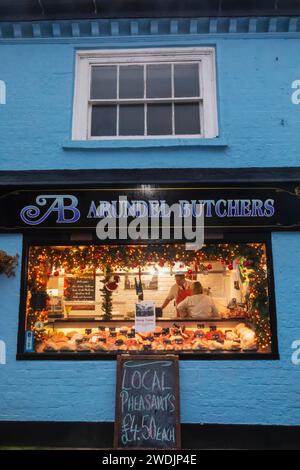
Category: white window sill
[142,143]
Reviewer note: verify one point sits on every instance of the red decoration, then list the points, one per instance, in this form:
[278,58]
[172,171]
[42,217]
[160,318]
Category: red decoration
[209,266]
[56,273]
[111,286]
[230,267]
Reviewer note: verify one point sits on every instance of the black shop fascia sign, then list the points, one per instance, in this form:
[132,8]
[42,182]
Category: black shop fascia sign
[271,207]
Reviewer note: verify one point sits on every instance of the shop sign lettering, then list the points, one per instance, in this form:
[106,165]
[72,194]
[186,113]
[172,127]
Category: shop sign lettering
[66,209]
[244,206]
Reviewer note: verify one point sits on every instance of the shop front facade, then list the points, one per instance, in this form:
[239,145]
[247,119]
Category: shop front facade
[104,118]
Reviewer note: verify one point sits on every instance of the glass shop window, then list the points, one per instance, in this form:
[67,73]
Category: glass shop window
[87,300]
[145,94]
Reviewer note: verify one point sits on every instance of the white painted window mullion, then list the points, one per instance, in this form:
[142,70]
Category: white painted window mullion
[173,98]
[201,123]
[145,102]
[88,127]
[118,106]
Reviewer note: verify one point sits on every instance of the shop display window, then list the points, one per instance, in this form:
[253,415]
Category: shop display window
[81,300]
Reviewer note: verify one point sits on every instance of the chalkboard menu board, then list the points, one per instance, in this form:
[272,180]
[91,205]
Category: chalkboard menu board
[80,288]
[147,402]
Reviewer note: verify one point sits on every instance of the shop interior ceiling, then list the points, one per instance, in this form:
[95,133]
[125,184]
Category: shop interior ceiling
[18,10]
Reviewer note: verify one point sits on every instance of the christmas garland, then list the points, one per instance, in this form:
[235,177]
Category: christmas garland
[250,258]
[110,284]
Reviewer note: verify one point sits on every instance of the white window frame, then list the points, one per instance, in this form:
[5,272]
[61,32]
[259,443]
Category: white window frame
[85,59]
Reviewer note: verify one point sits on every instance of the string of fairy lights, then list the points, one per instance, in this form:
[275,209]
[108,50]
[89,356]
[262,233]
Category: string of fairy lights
[46,261]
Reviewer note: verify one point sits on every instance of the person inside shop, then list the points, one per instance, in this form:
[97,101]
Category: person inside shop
[197,305]
[179,291]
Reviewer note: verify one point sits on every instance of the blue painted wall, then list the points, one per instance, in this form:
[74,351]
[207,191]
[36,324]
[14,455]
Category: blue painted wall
[211,391]
[261,127]
[256,116]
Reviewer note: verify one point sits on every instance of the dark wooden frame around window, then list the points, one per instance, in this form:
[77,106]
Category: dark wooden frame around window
[229,237]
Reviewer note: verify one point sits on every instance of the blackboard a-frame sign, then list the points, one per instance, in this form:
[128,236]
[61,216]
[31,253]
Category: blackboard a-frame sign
[147,402]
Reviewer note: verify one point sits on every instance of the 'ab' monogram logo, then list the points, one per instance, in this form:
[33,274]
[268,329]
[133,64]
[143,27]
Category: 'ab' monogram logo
[65,207]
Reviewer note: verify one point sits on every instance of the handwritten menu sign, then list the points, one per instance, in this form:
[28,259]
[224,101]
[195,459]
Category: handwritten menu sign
[80,288]
[147,402]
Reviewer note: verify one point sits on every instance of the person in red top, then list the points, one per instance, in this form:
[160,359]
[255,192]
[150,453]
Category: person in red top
[179,291]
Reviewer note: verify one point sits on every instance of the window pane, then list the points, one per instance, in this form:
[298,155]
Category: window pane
[187,119]
[131,81]
[186,80]
[159,81]
[104,119]
[159,119]
[104,82]
[131,120]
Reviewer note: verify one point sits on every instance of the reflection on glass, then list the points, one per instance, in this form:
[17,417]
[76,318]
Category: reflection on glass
[104,120]
[104,82]
[131,81]
[159,119]
[131,119]
[186,80]
[159,81]
[187,119]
